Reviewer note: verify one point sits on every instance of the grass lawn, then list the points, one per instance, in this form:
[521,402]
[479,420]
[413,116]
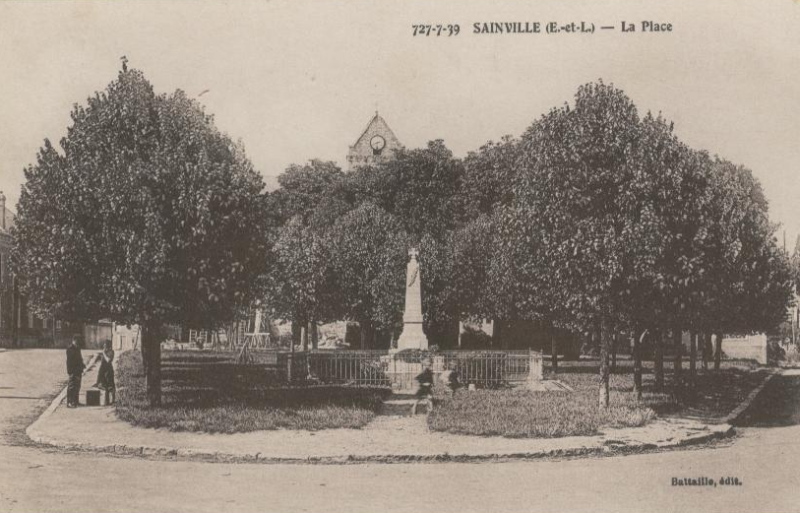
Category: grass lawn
[208,392]
[521,413]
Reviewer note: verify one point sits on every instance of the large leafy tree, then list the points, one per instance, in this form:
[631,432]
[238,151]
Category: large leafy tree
[369,251]
[489,176]
[421,188]
[497,269]
[629,228]
[750,284]
[302,287]
[149,215]
[496,253]
[671,184]
[316,191]
[470,259]
[578,187]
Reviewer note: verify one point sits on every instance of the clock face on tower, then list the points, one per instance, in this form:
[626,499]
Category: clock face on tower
[377,143]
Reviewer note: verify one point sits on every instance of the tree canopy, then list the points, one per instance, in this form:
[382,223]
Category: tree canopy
[148,215]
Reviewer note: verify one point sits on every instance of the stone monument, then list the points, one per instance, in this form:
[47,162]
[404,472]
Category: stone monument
[412,336]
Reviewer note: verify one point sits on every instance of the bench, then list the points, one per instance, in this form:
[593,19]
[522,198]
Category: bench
[97,397]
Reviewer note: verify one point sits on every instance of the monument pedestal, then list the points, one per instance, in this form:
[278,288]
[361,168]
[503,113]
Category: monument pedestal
[403,370]
[412,336]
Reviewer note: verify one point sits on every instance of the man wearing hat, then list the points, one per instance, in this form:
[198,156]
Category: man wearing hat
[75,368]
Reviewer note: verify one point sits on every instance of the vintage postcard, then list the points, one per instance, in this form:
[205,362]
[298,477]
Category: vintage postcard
[399,256]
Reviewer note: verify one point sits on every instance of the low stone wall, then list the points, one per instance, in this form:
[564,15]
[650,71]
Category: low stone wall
[752,347]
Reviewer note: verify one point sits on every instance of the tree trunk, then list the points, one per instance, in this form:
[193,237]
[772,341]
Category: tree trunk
[706,352]
[636,343]
[314,334]
[658,357]
[297,333]
[144,350]
[693,357]
[497,334]
[304,338]
[718,352]
[553,352]
[677,366]
[151,340]
[505,340]
[367,334]
[597,340]
[605,346]
[614,343]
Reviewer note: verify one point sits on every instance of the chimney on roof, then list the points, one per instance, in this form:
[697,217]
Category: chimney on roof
[2,211]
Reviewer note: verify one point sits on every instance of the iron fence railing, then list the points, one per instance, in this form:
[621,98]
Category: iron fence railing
[359,367]
[482,368]
[487,368]
[401,369]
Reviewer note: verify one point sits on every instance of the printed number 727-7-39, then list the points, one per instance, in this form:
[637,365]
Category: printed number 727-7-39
[436,30]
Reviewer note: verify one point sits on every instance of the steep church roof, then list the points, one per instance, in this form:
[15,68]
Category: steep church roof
[361,153]
[377,125]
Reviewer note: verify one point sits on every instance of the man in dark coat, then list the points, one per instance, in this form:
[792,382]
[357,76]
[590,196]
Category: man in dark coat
[75,371]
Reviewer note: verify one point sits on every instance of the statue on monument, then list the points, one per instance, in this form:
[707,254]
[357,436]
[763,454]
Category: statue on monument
[412,336]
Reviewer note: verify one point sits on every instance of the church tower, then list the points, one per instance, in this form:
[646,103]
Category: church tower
[376,144]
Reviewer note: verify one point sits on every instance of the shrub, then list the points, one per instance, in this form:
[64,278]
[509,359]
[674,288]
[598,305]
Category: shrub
[474,338]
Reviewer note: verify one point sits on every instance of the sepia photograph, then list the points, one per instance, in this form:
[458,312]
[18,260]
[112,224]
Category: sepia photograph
[399,256]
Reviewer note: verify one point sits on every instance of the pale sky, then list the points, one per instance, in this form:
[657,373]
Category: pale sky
[296,80]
